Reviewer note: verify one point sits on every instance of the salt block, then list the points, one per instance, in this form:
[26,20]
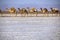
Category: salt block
[19,15]
[55,15]
[29,15]
[12,14]
[39,14]
[50,14]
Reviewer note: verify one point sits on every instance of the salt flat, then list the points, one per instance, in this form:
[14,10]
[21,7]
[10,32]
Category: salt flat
[29,28]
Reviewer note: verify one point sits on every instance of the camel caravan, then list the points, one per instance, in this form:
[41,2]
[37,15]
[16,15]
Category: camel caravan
[30,10]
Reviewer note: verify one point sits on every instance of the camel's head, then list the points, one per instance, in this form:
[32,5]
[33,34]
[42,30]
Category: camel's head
[41,8]
[18,8]
[51,8]
[45,8]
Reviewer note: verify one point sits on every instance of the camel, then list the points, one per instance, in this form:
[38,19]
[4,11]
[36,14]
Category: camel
[11,10]
[19,10]
[54,10]
[32,10]
[23,11]
[43,10]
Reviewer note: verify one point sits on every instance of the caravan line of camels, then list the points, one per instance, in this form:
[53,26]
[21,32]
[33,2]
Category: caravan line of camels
[30,10]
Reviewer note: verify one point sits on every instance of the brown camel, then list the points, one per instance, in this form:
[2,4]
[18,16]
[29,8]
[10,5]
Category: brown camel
[54,10]
[23,11]
[43,10]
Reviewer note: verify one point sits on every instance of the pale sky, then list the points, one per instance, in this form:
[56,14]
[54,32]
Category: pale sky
[29,3]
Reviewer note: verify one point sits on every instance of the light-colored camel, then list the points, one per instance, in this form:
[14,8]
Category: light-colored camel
[32,10]
[11,10]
